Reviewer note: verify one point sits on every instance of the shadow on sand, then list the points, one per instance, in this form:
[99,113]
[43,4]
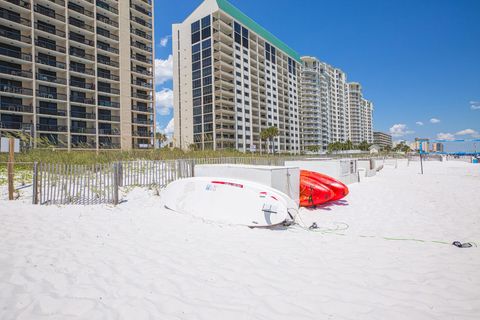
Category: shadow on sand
[329,205]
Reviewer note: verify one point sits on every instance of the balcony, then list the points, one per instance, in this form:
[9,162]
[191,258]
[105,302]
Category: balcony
[51,95]
[83,130]
[141,58]
[15,36]
[51,79]
[15,54]
[143,84]
[145,122]
[14,18]
[8,125]
[107,34]
[107,48]
[51,112]
[141,10]
[142,71]
[82,70]
[141,33]
[50,30]
[16,72]
[142,109]
[51,128]
[83,55]
[143,96]
[142,22]
[144,134]
[14,107]
[80,24]
[80,9]
[109,132]
[83,85]
[107,21]
[49,13]
[80,39]
[8,88]
[105,6]
[108,76]
[141,46]
[107,117]
[20,3]
[83,115]
[109,90]
[108,104]
[90,101]
[50,46]
[51,62]
[108,62]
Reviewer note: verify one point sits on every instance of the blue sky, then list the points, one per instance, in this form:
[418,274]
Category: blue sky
[417,60]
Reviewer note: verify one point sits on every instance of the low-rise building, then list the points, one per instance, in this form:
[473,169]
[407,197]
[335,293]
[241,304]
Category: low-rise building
[382,139]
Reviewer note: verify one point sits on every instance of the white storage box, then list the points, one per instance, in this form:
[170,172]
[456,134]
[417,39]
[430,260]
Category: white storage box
[284,179]
[344,170]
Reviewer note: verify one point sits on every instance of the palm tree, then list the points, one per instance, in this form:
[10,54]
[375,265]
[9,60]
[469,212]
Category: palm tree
[161,138]
[269,134]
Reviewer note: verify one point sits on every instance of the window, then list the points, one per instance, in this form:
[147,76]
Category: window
[195,26]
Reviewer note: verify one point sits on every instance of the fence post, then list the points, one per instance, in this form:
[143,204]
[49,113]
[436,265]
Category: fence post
[120,174]
[11,159]
[35,183]
[115,183]
[192,163]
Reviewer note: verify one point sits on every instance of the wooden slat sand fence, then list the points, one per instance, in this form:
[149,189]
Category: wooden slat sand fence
[61,184]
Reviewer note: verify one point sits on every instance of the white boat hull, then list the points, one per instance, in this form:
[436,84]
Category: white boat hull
[228,201]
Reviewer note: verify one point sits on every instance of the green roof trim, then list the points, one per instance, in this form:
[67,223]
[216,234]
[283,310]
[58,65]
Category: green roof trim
[255,27]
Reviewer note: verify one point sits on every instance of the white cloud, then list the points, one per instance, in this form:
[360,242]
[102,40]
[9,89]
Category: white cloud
[164,101]
[164,41]
[399,130]
[475,105]
[445,136]
[466,132]
[434,120]
[419,123]
[163,70]
[168,130]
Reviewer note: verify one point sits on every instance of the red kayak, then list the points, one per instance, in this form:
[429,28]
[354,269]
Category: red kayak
[339,189]
[313,193]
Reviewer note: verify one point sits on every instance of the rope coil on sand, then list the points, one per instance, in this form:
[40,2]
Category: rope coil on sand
[335,231]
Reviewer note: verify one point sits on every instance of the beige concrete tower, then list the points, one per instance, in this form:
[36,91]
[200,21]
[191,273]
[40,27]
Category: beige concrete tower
[78,74]
[360,115]
[232,79]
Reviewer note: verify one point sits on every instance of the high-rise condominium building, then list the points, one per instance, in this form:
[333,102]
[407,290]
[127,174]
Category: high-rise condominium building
[314,105]
[233,79]
[360,115]
[325,105]
[78,74]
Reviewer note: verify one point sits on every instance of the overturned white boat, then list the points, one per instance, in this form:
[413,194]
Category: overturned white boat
[229,201]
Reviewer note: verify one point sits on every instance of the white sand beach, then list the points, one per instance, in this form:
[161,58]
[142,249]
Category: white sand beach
[139,261]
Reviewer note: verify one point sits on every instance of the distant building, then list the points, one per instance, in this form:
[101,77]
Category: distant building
[382,139]
[421,144]
[437,147]
[360,111]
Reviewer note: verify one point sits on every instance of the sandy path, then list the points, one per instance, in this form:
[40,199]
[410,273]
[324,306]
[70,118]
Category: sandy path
[138,261]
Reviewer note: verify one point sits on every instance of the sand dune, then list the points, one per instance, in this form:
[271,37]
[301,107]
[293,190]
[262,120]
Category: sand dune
[139,261]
